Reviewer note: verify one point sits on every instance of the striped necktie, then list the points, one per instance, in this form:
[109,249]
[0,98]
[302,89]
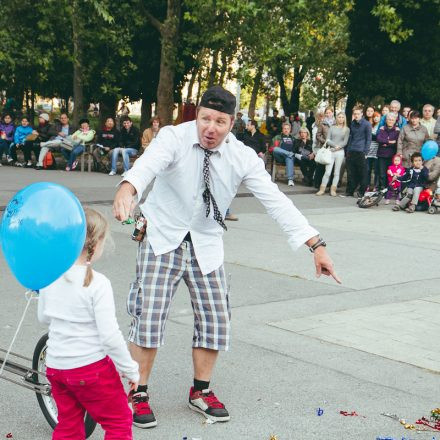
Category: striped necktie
[207,196]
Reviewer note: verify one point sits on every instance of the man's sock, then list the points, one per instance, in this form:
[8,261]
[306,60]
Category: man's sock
[200,385]
[142,389]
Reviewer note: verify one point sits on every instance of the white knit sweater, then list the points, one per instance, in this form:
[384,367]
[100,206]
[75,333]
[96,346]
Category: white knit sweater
[82,324]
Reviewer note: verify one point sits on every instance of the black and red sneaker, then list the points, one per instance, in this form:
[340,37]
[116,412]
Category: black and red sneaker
[206,403]
[143,417]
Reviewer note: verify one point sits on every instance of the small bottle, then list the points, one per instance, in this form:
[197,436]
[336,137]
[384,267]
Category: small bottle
[140,228]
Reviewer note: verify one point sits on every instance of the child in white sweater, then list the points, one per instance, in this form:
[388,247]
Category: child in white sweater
[86,349]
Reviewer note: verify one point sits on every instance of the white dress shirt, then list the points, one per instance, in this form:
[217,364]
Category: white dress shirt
[175,204]
[429,124]
[82,323]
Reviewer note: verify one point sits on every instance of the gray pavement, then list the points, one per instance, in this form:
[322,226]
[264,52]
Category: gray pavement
[299,343]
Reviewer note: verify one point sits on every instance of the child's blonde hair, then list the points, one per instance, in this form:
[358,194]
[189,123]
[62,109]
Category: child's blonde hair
[97,230]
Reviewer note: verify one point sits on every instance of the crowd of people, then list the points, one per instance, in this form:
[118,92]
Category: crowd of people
[378,150]
[375,148]
[47,137]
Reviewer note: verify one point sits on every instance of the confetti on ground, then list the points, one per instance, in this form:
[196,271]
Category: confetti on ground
[9,435]
[423,424]
[319,412]
[208,422]
[273,437]
[350,414]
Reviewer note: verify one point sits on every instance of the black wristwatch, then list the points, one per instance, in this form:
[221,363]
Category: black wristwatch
[320,242]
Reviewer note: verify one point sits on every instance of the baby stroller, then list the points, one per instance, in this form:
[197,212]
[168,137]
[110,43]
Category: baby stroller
[371,198]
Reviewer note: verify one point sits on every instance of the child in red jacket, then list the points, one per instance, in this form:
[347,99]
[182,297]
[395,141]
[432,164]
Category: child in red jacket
[396,169]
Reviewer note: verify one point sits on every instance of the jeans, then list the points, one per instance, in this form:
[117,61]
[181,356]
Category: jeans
[356,168]
[285,157]
[97,389]
[126,153]
[71,156]
[383,164]
[4,147]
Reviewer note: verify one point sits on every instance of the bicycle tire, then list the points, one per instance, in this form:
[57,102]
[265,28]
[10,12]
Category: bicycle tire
[46,403]
[367,202]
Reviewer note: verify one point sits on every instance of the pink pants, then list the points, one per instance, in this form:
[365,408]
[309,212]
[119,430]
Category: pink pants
[97,389]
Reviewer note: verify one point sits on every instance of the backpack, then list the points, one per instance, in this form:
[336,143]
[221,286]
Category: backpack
[49,162]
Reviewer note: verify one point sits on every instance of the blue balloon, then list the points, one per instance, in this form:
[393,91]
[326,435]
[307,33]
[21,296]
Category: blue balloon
[43,233]
[429,150]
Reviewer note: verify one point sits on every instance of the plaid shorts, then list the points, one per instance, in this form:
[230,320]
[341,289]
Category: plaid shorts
[157,278]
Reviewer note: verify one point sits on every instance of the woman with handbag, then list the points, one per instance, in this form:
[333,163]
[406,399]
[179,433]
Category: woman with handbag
[337,138]
[321,136]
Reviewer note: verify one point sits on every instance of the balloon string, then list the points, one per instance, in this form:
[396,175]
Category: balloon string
[30,295]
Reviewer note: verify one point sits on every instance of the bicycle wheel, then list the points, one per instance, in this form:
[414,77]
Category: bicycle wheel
[46,402]
[367,202]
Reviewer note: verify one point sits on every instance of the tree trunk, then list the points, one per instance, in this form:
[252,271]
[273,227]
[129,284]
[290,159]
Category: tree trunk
[192,80]
[214,68]
[77,63]
[178,98]
[351,101]
[254,95]
[146,114]
[107,107]
[283,92]
[28,107]
[32,115]
[169,31]
[199,88]
[65,108]
[267,106]
[298,76]
[223,68]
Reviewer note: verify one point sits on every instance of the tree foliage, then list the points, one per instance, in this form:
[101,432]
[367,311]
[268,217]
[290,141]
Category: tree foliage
[402,58]
[149,49]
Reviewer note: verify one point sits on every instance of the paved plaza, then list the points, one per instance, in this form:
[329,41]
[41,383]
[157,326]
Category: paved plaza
[299,343]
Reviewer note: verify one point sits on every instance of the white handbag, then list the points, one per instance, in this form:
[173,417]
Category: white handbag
[324,155]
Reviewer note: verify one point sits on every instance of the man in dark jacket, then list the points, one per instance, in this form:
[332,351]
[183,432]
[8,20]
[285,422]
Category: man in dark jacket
[357,149]
[130,142]
[58,131]
[255,139]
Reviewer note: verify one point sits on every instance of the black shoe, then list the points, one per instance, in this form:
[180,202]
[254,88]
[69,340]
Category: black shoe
[143,417]
[37,167]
